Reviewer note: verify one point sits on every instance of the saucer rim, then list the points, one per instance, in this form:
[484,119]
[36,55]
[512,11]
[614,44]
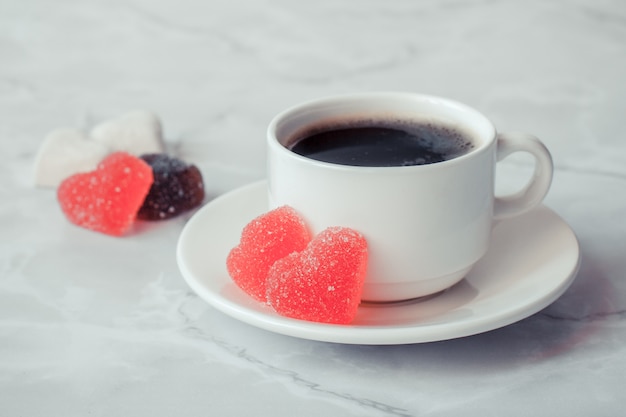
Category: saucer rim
[263,317]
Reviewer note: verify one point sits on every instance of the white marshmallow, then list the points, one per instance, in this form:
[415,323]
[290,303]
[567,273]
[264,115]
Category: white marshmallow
[137,132]
[65,152]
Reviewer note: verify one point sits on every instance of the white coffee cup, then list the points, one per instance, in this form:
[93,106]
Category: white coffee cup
[426,225]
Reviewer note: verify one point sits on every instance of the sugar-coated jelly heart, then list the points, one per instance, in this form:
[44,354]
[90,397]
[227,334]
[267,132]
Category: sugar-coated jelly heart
[107,199]
[266,239]
[324,282]
[177,188]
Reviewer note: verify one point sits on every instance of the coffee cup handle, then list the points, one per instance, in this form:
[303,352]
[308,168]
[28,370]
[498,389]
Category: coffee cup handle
[537,187]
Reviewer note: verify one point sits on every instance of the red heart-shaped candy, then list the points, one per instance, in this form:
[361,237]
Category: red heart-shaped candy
[107,200]
[266,239]
[324,282]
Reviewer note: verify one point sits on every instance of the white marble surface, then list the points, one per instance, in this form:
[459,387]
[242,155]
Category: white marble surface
[101,326]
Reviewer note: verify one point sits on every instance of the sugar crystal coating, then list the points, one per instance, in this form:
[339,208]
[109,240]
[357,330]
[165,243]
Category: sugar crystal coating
[107,199]
[177,188]
[324,282]
[266,239]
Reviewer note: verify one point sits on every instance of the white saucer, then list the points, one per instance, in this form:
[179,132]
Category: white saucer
[532,261]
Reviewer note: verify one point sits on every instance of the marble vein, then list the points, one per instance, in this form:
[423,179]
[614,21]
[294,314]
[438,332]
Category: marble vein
[300,381]
[161,22]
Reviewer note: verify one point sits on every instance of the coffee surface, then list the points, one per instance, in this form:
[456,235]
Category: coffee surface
[383,144]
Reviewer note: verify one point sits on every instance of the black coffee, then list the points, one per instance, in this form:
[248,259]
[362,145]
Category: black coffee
[383,144]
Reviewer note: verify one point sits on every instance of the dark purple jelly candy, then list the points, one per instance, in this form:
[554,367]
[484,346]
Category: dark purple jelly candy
[177,187]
